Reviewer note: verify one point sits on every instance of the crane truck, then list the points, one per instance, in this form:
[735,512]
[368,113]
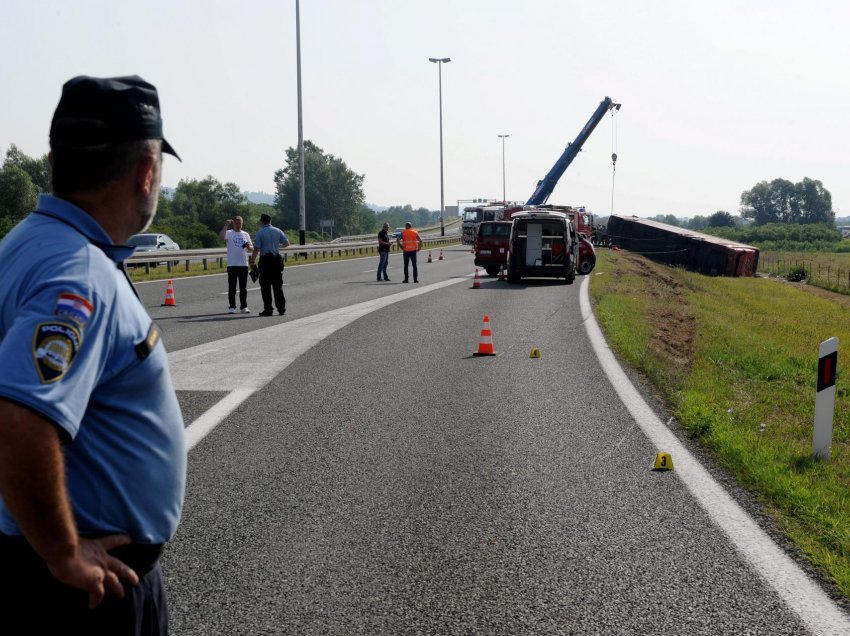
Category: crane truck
[582,220]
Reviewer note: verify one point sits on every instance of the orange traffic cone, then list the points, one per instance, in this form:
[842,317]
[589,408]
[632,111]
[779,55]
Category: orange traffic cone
[485,343]
[169,295]
[441,255]
[476,282]
[429,256]
[501,273]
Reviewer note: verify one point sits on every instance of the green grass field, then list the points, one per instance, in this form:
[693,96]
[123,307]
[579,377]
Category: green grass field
[733,357]
[828,270]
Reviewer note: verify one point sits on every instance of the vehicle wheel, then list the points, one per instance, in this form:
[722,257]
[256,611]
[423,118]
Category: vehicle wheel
[492,271]
[585,267]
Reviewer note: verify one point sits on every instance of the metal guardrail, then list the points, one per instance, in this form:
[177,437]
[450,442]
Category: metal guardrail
[424,232]
[293,253]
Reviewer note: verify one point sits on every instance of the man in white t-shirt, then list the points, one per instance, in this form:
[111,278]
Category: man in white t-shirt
[239,244]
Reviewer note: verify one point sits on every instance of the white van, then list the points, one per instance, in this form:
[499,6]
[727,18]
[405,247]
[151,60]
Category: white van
[542,244]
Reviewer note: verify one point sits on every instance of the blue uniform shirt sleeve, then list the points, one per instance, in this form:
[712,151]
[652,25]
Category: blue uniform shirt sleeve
[51,354]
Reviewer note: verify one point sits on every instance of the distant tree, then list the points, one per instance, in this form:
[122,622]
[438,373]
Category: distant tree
[669,219]
[197,210]
[331,191]
[815,202]
[37,169]
[398,215]
[697,223]
[208,201]
[721,219]
[781,201]
[18,193]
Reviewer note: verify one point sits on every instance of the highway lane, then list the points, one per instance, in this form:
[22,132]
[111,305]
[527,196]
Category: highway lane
[388,482]
[201,312]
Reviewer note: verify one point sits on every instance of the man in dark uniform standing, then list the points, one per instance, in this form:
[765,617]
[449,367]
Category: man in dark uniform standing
[92,455]
[267,245]
[383,252]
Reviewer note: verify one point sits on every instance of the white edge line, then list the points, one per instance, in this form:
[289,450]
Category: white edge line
[798,591]
[199,429]
[203,425]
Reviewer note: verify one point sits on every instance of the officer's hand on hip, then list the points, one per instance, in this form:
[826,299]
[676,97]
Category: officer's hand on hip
[94,570]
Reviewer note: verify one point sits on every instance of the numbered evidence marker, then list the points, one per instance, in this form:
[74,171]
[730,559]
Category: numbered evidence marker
[663,461]
[535,353]
[825,398]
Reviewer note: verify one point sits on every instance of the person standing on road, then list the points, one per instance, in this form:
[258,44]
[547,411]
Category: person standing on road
[92,453]
[238,243]
[383,252]
[268,241]
[410,243]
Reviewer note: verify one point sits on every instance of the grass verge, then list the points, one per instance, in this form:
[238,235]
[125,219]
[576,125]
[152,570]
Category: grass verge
[736,362]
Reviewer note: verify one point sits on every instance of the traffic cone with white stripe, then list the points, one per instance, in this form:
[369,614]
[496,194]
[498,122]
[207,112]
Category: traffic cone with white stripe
[169,295]
[485,343]
[476,282]
[501,273]
[429,256]
[441,255]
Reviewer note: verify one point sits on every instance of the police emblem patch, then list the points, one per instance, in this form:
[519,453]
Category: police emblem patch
[74,307]
[54,347]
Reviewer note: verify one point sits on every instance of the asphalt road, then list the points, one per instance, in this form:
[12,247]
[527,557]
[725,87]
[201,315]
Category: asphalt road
[386,481]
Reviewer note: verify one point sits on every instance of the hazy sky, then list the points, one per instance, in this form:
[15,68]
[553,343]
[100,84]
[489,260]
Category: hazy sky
[716,96]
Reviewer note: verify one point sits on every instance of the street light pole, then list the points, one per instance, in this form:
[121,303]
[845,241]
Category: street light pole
[504,198]
[302,216]
[439,61]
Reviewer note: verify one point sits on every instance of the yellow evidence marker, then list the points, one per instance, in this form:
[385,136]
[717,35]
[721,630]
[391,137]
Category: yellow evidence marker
[663,461]
[535,353]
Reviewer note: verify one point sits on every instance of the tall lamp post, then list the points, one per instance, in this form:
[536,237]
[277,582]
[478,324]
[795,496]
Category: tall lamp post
[502,137]
[439,61]
[302,216]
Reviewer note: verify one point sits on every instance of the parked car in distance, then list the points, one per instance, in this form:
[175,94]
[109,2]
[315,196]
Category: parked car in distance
[490,245]
[152,242]
[397,232]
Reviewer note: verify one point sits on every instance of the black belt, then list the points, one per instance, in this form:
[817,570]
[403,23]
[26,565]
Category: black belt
[142,557]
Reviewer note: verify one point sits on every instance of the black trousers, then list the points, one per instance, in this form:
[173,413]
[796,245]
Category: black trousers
[271,282]
[237,273]
[38,603]
[410,257]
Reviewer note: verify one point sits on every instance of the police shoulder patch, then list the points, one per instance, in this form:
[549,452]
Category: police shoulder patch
[54,347]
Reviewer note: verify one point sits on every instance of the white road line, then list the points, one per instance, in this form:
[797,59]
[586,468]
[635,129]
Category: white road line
[240,365]
[800,593]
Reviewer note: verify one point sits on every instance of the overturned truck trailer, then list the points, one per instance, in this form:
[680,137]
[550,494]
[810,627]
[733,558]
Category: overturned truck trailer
[673,245]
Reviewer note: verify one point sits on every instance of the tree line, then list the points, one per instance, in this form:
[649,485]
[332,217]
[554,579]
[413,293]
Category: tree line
[194,212]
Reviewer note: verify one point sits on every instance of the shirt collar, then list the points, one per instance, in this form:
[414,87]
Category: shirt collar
[84,223]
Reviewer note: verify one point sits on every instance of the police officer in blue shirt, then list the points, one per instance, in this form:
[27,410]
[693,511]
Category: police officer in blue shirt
[92,455]
[267,245]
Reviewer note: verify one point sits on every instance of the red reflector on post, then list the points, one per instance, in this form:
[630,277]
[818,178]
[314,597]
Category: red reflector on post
[826,370]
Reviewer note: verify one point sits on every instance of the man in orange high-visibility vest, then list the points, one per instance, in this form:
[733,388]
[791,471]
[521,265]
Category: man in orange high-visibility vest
[410,244]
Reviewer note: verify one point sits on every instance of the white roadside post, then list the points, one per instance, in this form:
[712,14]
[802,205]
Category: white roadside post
[825,400]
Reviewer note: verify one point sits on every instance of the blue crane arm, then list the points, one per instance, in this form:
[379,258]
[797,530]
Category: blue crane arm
[547,184]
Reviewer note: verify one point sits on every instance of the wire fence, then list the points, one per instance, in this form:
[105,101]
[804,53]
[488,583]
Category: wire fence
[829,277]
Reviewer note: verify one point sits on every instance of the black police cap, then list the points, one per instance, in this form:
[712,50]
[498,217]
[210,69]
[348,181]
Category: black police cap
[94,111]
